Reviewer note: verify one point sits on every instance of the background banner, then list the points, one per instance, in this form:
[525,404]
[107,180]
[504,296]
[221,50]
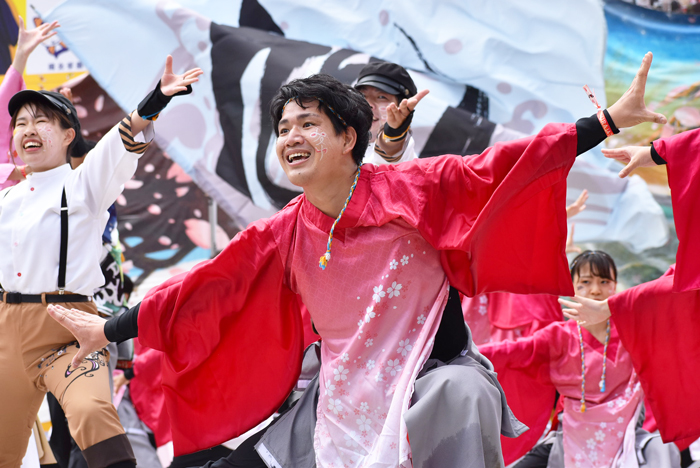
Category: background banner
[495,72]
[52,62]
[674,83]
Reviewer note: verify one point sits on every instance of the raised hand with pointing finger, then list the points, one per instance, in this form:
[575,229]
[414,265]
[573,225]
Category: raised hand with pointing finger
[397,115]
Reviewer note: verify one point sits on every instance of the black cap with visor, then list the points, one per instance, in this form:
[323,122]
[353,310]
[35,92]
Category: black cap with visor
[389,77]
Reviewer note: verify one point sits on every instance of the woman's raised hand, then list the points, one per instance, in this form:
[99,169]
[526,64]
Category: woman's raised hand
[28,40]
[171,84]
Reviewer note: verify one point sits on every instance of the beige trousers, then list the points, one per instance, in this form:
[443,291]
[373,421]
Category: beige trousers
[35,357]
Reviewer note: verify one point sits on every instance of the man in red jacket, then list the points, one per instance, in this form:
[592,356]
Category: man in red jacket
[397,360]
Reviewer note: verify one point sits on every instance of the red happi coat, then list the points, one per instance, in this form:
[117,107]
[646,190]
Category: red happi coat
[147,394]
[550,361]
[658,321]
[661,330]
[231,329]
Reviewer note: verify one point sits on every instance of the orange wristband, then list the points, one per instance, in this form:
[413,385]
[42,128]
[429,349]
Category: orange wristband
[604,122]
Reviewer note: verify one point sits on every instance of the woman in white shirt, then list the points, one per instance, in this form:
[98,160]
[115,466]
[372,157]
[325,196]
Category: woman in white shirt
[50,245]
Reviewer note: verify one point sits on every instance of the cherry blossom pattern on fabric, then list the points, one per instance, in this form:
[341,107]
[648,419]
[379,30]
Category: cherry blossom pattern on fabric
[598,436]
[377,309]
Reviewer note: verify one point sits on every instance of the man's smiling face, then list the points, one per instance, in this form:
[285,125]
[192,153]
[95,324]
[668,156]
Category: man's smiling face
[308,147]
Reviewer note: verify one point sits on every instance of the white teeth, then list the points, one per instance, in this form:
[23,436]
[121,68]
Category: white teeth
[295,156]
[32,144]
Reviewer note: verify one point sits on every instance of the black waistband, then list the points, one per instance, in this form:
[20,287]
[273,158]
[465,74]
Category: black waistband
[19,298]
[451,337]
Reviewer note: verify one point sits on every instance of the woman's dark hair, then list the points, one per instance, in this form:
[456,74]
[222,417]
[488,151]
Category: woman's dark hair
[343,104]
[600,264]
[53,114]
[82,147]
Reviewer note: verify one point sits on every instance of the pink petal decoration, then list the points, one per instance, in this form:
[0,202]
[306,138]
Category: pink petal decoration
[182,191]
[667,131]
[676,91]
[198,213]
[149,168]
[81,111]
[100,103]
[504,88]
[133,184]
[179,174]
[154,209]
[164,240]
[688,116]
[198,230]
[453,46]
[128,226]
[157,196]
[384,17]
[121,200]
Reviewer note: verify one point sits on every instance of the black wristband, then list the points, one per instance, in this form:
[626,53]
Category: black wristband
[656,157]
[154,103]
[129,373]
[397,133]
[614,129]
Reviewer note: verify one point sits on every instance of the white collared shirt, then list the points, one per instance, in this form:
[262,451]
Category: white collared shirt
[30,221]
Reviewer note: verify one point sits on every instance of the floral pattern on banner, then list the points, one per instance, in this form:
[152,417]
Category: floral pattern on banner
[162,213]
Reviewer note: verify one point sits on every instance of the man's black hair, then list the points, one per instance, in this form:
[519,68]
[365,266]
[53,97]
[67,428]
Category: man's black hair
[600,264]
[335,99]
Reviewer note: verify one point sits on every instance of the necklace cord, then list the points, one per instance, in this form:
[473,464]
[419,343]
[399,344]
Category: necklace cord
[326,257]
[601,384]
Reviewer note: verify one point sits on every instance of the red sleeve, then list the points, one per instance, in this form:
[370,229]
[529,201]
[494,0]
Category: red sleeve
[499,217]
[147,394]
[681,155]
[661,331]
[516,310]
[232,338]
[523,371]
[532,354]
